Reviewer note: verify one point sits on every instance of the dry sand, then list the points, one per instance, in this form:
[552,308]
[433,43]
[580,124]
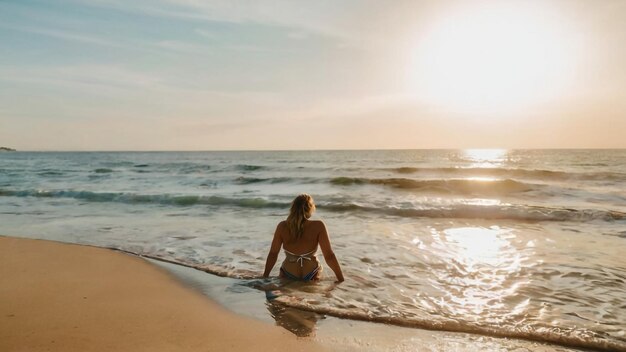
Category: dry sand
[63,297]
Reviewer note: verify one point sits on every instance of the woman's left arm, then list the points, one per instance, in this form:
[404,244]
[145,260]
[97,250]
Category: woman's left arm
[272,256]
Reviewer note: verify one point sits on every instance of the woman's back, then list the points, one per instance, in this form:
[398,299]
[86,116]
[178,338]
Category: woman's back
[300,260]
[300,237]
[307,242]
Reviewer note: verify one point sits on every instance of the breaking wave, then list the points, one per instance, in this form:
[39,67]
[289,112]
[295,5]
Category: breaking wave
[250,180]
[504,212]
[131,198]
[246,167]
[452,186]
[463,211]
[536,174]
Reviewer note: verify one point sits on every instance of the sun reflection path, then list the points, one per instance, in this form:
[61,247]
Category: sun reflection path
[481,263]
[485,157]
[478,245]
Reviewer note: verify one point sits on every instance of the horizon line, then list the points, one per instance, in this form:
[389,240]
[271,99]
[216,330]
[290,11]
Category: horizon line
[288,150]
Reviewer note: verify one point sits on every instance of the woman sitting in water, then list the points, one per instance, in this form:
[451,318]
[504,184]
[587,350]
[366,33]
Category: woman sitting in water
[299,237]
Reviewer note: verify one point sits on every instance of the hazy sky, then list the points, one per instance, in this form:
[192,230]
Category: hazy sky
[207,75]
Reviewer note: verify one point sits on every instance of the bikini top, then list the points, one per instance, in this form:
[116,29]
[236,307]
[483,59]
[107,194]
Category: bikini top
[300,258]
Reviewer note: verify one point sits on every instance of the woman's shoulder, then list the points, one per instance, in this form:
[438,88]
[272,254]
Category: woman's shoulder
[317,223]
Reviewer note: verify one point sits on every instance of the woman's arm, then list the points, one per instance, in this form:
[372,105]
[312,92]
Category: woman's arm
[272,256]
[329,255]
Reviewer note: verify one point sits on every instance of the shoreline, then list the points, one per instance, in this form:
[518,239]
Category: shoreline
[298,319]
[66,297]
[201,301]
[346,335]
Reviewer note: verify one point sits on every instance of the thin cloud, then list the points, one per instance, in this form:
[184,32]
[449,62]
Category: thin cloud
[312,17]
[230,46]
[61,34]
[321,18]
[178,46]
[111,76]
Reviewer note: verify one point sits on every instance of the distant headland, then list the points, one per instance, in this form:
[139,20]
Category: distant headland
[6,149]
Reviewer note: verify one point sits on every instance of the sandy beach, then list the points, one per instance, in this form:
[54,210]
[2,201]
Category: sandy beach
[64,297]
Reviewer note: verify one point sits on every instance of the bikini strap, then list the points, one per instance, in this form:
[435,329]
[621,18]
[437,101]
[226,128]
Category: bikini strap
[300,258]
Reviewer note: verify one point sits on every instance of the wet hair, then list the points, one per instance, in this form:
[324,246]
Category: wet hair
[302,208]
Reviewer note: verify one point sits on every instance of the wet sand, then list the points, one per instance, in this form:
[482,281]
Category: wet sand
[64,297]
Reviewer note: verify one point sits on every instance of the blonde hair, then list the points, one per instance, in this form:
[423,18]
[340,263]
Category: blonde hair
[302,208]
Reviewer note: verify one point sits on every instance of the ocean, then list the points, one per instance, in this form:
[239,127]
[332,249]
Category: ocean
[512,243]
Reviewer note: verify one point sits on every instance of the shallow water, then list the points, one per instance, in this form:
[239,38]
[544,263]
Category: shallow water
[506,243]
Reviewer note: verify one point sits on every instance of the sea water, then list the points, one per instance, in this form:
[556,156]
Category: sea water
[517,243]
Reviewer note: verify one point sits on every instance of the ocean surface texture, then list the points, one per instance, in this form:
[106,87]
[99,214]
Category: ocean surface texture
[521,243]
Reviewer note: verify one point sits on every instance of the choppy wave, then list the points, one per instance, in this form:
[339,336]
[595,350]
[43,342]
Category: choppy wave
[50,173]
[578,338]
[461,211]
[249,180]
[164,167]
[504,212]
[452,186]
[131,198]
[537,174]
[438,173]
[246,167]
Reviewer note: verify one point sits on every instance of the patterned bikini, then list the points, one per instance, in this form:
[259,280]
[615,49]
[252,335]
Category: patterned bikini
[300,258]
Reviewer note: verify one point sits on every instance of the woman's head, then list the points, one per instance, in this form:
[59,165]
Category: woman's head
[302,208]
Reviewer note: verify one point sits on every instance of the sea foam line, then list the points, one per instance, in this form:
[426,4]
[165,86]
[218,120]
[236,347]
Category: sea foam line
[461,211]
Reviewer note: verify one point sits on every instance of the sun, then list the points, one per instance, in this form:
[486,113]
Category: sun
[495,57]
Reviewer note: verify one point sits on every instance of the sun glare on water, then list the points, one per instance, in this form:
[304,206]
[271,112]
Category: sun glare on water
[493,58]
[485,157]
[477,245]
[488,260]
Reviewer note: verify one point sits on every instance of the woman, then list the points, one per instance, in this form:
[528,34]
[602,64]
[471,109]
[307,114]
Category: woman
[300,237]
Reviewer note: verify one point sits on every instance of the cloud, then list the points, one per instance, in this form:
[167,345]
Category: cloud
[179,46]
[110,76]
[316,17]
[231,46]
[64,35]
[325,18]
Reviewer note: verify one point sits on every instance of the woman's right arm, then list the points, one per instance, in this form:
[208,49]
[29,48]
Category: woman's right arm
[329,255]
[272,256]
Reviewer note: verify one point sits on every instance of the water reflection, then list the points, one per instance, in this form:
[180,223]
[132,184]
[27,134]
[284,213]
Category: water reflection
[301,323]
[486,157]
[477,245]
[476,276]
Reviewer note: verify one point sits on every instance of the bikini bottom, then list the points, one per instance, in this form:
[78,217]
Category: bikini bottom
[308,277]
